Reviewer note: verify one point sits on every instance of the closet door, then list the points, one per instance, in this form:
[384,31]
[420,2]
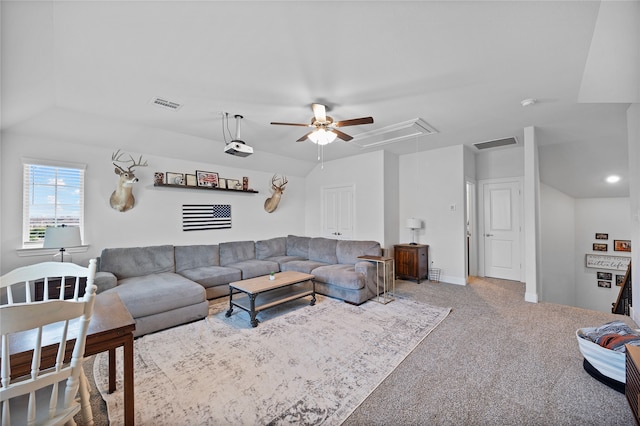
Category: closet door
[338,212]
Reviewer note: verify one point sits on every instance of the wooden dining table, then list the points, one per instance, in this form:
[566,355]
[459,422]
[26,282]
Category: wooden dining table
[111,326]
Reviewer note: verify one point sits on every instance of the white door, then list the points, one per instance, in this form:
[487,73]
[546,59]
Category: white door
[337,212]
[502,230]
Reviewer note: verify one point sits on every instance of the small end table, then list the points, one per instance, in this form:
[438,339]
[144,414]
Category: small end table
[388,277]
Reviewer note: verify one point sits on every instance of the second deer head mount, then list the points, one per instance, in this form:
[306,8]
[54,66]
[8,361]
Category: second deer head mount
[122,198]
[272,202]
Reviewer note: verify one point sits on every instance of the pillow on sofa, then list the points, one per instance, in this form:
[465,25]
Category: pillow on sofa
[237,251]
[271,248]
[323,250]
[298,246]
[348,251]
[137,261]
[197,256]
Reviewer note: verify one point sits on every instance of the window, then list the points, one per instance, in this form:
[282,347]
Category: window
[53,194]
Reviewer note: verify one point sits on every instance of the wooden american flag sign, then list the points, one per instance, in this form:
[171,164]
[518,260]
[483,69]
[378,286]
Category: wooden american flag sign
[199,217]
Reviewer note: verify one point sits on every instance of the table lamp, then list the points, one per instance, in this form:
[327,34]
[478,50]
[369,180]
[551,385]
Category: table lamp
[413,224]
[61,237]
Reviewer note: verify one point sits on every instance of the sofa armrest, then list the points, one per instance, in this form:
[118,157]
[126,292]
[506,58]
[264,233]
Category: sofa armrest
[105,281]
[368,269]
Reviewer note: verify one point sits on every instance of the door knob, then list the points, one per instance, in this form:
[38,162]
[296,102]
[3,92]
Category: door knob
[488,235]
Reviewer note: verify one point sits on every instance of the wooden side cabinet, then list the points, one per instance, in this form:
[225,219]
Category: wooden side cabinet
[411,261]
[632,379]
[54,285]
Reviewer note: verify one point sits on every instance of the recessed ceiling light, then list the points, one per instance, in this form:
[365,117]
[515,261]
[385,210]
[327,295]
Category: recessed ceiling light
[613,179]
[528,102]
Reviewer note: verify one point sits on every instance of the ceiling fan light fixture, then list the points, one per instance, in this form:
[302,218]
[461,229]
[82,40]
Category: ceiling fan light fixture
[322,137]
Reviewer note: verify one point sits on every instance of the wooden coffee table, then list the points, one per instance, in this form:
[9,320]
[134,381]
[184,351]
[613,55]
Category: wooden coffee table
[262,293]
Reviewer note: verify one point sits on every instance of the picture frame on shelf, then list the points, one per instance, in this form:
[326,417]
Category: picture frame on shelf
[222,183]
[158,177]
[605,276]
[600,247]
[622,245]
[234,184]
[602,236]
[190,180]
[175,178]
[206,179]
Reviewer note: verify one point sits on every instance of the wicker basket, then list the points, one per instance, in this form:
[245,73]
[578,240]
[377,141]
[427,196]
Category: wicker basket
[434,275]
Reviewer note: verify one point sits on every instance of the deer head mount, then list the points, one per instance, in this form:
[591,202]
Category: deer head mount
[122,198]
[272,202]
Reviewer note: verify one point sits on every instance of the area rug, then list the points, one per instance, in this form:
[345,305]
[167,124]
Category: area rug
[303,364]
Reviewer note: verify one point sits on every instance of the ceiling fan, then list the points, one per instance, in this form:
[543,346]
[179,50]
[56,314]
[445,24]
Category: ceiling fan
[324,128]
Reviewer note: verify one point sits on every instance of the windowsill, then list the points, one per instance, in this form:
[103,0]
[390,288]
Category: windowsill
[27,252]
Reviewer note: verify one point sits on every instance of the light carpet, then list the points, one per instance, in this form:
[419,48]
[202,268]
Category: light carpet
[302,364]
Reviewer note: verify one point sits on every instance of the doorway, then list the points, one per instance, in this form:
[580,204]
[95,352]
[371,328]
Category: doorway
[471,238]
[338,212]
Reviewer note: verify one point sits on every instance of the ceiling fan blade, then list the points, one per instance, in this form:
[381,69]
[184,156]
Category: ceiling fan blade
[345,137]
[354,122]
[304,138]
[320,112]
[290,124]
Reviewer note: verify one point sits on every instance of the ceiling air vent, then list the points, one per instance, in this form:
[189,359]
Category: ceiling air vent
[163,103]
[394,133]
[496,143]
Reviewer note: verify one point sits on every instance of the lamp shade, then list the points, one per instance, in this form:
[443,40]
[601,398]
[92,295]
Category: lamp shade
[413,223]
[322,137]
[61,237]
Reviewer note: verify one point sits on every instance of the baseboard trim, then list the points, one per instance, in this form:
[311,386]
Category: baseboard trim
[531,297]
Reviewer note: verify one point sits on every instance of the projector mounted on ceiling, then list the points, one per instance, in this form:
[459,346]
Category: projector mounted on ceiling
[237,146]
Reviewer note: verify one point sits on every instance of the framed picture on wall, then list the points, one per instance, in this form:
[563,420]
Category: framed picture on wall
[602,236]
[605,276]
[619,280]
[604,284]
[207,179]
[600,247]
[622,245]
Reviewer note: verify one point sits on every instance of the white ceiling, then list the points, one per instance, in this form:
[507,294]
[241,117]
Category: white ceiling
[86,71]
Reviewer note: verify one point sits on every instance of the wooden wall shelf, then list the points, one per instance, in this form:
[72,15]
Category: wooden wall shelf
[169,185]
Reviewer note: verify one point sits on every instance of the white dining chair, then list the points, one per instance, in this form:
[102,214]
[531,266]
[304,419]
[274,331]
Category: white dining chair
[47,395]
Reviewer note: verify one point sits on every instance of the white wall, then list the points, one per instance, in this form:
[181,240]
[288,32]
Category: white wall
[391,202]
[558,272]
[633,132]
[156,218]
[500,163]
[366,173]
[610,216]
[431,182]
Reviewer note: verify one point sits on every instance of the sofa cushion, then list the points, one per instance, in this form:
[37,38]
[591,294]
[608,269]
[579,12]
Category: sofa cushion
[304,266]
[340,275]
[298,246]
[236,251]
[271,248]
[211,276]
[255,268]
[137,261]
[348,251]
[155,293]
[323,250]
[197,256]
[284,259]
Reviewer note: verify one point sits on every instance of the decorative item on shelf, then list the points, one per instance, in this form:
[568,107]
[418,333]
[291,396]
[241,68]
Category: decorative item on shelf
[222,183]
[158,177]
[175,178]
[271,203]
[190,180]
[231,183]
[207,179]
[62,237]
[122,198]
[245,183]
[413,224]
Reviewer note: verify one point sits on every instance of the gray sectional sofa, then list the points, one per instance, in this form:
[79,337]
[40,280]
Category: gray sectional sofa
[165,286]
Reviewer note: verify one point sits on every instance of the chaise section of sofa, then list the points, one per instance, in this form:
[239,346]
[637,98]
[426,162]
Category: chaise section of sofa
[242,255]
[201,263]
[155,295]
